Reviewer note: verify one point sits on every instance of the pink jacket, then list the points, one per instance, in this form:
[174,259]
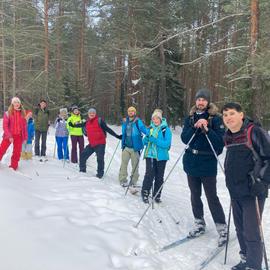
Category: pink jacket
[9,126]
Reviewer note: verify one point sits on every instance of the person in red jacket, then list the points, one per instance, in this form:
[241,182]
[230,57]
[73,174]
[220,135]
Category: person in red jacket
[15,131]
[96,130]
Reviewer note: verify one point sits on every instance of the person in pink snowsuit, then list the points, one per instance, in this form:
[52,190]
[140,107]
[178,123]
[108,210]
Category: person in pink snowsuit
[15,131]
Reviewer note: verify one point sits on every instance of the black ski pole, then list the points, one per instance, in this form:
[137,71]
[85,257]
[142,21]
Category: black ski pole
[214,152]
[146,210]
[228,234]
[261,232]
[230,212]
[111,159]
[153,206]
[65,154]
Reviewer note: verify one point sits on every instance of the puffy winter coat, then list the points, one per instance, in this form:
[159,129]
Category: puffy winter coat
[239,161]
[41,119]
[61,127]
[30,130]
[159,149]
[14,124]
[199,159]
[95,133]
[137,128]
[71,122]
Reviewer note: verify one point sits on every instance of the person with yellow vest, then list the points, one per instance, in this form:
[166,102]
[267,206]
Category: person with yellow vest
[76,133]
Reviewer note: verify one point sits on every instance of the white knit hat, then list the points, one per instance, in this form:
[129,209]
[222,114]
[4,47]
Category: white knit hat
[63,111]
[15,100]
[157,113]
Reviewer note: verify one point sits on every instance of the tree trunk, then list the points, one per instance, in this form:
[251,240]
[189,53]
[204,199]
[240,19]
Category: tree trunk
[119,76]
[14,51]
[82,41]
[254,33]
[46,50]
[3,61]
[58,46]
[133,90]
[162,87]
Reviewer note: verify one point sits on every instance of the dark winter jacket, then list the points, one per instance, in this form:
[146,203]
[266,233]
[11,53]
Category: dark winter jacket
[41,119]
[199,159]
[239,161]
[137,129]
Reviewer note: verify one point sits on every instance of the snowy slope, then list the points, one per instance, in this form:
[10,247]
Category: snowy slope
[54,218]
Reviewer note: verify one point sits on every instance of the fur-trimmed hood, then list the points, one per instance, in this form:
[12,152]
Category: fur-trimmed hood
[212,110]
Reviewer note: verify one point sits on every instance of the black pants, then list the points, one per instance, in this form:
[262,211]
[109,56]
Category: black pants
[247,230]
[43,136]
[87,152]
[210,189]
[154,171]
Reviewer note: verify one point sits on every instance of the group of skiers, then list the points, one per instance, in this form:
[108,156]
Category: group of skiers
[247,162]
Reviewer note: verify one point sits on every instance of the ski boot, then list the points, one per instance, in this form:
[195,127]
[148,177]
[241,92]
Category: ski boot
[198,229]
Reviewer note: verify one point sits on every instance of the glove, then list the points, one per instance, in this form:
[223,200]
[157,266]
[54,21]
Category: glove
[120,137]
[152,139]
[257,186]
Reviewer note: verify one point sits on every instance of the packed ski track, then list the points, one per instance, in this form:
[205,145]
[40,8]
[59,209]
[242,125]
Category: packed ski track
[55,218]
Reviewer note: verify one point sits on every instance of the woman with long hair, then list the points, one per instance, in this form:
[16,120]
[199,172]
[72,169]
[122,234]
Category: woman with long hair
[15,131]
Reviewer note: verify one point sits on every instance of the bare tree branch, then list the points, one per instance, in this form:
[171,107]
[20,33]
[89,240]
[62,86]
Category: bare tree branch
[193,30]
[208,55]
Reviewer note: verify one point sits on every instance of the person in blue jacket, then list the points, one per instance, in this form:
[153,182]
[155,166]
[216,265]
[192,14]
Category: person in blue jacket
[156,153]
[200,163]
[132,130]
[27,146]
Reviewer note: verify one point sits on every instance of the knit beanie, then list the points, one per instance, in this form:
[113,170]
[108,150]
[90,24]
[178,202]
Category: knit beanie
[15,100]
[74,107]
[132,109]
[157,113]
[92,110]
[63,111]
[203,93]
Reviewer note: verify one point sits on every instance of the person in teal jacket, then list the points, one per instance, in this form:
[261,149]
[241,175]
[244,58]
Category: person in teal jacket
[156,154]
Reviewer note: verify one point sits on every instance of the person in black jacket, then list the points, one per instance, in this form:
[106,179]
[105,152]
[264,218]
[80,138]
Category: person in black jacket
[247,170]
[200,163]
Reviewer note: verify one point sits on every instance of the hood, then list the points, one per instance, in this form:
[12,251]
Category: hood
[212,110]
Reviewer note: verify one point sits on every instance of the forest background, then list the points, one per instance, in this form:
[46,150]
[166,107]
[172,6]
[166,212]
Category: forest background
[111,54]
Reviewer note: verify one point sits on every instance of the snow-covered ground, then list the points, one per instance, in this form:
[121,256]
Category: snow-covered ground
[54,218]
